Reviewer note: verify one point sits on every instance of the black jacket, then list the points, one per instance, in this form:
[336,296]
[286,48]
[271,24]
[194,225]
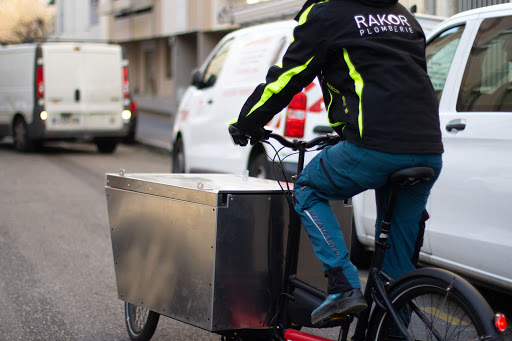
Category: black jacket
[369,56]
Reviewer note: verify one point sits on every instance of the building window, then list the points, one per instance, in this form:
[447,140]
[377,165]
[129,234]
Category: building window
[168,59]
[465,5]
[150,72]
[94,13]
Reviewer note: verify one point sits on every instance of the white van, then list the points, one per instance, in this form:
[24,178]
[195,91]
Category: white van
[240,62]
[63,91]
[469,60]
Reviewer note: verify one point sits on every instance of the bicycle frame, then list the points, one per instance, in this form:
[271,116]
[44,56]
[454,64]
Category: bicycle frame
[291,263]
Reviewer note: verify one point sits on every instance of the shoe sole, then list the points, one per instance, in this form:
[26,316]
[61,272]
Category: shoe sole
[343,308]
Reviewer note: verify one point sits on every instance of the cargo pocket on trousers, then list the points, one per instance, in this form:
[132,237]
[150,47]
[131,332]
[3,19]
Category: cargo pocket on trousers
[329,176]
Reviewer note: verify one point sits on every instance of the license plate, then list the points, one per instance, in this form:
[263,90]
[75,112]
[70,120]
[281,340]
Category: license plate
[68,118]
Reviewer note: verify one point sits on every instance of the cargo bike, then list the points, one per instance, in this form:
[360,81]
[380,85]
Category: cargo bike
[227,254]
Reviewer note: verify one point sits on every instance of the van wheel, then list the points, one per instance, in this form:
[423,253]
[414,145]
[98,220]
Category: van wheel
[359,255]
[22,141]
[106,145]
[260,167]
[178,157]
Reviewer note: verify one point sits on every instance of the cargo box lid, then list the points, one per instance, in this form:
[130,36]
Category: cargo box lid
[208,189]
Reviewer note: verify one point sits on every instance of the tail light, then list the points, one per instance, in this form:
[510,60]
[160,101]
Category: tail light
[133,106]
[126,83]
[39,82]
[296,116]
[500,322]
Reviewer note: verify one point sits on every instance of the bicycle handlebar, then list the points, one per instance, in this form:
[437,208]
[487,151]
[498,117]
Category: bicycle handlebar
[328,139]
[263,135]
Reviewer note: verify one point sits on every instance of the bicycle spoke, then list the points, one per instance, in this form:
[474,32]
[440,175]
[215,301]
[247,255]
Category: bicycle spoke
[437,317]
[425,319]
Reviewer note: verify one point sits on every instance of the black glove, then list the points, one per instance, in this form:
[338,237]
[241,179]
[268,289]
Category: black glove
[241,137]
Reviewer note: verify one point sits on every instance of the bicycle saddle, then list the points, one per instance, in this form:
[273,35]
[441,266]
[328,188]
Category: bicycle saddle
[411,176]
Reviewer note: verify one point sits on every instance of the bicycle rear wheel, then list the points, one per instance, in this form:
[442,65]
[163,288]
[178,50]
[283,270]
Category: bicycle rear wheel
[436,308]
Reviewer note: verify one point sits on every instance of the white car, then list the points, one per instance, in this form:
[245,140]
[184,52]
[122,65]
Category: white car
[469,59]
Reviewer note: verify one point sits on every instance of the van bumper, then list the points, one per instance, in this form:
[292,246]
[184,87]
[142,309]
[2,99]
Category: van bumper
[84,135]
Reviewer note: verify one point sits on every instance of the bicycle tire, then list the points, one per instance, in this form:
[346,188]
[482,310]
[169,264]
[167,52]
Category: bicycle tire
[435,305]
[141,322]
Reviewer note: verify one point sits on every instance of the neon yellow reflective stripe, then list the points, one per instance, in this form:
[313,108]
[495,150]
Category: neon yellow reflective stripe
[329,107]
[358,82]
[279,84]
[304,15]
[328,110]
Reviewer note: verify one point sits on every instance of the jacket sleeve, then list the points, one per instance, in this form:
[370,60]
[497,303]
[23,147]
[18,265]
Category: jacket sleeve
[301,63]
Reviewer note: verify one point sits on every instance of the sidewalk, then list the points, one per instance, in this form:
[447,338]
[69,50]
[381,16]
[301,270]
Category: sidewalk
[154,129]
[153,104]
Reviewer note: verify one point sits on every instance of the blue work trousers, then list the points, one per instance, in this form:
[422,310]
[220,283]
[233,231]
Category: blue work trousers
[341,171]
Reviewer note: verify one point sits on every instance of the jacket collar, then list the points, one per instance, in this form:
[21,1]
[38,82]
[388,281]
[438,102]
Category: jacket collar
[378,3]
[373,3]
[306,5]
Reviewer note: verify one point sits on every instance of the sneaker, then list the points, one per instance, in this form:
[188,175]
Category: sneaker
[350,302]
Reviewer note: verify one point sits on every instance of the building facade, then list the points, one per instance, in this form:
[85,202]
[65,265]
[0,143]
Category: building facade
[165,40]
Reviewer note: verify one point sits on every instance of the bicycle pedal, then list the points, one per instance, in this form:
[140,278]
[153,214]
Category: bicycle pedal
[334,321]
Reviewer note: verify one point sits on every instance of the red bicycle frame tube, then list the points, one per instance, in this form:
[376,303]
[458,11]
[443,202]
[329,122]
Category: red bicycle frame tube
[295,335]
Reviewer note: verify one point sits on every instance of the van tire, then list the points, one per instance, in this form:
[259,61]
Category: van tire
[259,167]
[178,157]
[106,145]
[21,139]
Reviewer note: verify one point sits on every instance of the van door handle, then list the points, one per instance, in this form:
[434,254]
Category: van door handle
[458,124]
[77,95]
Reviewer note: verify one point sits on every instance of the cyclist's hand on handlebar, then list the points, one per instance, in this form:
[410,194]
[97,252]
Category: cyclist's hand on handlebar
[241,137]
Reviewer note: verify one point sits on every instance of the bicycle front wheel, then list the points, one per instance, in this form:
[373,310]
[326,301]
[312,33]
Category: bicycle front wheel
[436,308]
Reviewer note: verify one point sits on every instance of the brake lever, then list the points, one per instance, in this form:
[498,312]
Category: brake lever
[265,135]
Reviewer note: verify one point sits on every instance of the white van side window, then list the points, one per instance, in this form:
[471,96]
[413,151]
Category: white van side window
[487,81]
[279,51]
[212,71]
[440,52]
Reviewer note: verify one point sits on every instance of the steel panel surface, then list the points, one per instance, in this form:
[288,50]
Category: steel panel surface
[163,254]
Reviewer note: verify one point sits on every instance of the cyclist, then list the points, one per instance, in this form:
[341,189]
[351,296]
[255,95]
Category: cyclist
[369,57]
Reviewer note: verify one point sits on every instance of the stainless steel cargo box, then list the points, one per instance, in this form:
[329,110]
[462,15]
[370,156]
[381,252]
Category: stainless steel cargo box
[205,249]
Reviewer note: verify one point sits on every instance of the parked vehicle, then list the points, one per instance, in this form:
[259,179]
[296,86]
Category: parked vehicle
[64,91]
[469,59]
[240,61]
